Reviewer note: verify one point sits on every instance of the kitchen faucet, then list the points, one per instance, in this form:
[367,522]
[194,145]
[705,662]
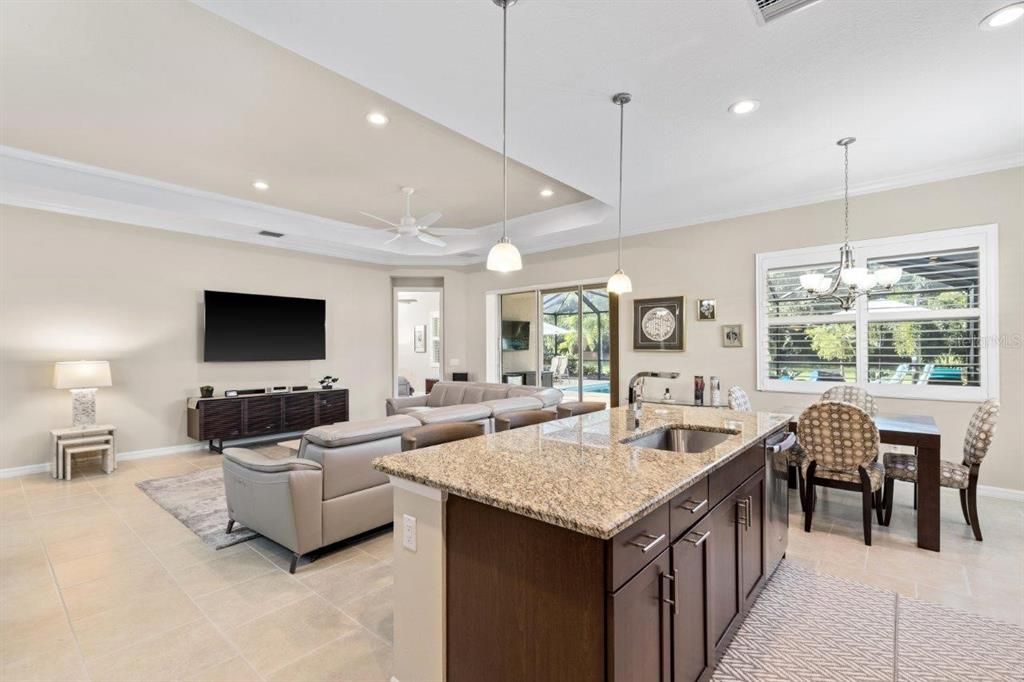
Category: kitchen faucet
[636,384]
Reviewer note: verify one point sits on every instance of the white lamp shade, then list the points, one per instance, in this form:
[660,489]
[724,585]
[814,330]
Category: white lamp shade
[855,277]
[504,257]
[619,283]
[81,374]
[888,277]
[814,281]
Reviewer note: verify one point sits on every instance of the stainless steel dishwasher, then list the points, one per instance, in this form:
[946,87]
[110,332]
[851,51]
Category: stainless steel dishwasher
[776,511]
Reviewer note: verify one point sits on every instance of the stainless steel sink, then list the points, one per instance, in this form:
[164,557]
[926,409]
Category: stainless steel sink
[679,440]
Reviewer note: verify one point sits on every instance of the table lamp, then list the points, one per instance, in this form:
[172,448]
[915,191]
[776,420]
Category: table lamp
[82,377]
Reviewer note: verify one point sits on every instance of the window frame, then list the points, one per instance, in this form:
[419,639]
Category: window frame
[983,237]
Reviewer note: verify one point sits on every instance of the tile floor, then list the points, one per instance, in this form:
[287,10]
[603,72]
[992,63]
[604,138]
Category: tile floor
[99,583]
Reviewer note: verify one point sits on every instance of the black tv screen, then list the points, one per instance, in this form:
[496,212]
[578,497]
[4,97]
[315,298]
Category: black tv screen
[245,327]
[515,335]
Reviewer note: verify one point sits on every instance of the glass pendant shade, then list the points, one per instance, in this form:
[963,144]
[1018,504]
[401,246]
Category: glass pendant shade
[814,281]
[888,277]
[855,277]
[619,283]
[504,257]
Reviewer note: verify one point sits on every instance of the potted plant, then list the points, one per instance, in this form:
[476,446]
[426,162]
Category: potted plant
[206,391]
[327,383]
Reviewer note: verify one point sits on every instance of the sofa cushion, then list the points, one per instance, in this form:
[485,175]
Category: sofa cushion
[547,396]
[256,461]
[350,433]
[499,407]
[464,392]
[455,413]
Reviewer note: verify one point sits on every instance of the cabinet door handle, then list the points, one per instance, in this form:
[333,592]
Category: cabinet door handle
[742,506]
[674,601]
[750,510]
[699,540]
[645,548]
[693,506]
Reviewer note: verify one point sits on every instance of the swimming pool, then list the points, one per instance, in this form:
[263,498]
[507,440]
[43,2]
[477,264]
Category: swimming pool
[596,387]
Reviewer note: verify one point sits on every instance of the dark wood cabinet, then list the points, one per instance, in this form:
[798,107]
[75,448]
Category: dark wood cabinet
[639,625]
[723,586]
[751,538]
[266,414]
[692,654]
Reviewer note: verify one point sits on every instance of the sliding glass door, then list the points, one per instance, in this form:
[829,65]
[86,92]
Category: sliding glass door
[577,341]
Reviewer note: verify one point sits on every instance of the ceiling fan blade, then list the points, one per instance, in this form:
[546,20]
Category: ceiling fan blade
[395,238]
[428,238]
[375,217]
[429,219]
[449,232]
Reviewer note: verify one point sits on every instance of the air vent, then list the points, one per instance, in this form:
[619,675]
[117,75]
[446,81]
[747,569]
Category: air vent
[268,233]
[769,10]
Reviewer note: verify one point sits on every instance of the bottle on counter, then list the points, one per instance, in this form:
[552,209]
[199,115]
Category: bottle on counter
[716,392]
[668,395]
[698,391]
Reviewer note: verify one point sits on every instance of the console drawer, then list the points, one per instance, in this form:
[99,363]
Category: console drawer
[689,507]
[636,546]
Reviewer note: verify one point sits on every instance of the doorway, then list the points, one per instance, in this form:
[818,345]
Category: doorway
[418,339]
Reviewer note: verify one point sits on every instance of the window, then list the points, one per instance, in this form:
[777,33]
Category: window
[930,336]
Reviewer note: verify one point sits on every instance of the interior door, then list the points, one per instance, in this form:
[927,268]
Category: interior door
[639,627]
[691,560]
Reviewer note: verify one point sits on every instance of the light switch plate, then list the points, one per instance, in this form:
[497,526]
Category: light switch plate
[409,532]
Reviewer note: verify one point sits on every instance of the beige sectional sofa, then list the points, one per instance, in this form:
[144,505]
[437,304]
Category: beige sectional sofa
[330,491]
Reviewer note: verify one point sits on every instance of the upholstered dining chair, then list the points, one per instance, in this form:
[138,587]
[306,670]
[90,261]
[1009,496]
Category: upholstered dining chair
[436,434]
[840,443]
[853,395]
[963,476]
[738,400]
[516,420]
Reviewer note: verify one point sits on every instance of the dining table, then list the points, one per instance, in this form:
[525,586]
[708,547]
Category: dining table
[921,433]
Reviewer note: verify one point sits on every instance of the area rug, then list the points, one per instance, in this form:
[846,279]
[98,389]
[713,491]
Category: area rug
[807,626]
[197,500]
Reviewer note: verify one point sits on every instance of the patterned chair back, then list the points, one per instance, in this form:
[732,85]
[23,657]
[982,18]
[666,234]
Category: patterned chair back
[854,396]
[837,435]
[980,432]
[739,401]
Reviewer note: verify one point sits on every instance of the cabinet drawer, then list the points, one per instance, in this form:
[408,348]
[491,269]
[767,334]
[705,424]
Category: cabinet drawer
[688,507]
[263,415]
[299,412]
[723,481]
[220,419]
[635,547]
[333,407]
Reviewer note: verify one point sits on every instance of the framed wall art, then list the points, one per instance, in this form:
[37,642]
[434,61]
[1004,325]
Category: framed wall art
[732,335]
[707,309]
[658,324]
[419,338]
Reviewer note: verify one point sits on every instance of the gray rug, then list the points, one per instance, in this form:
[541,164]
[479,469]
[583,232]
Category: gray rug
[197,500]
[807,626]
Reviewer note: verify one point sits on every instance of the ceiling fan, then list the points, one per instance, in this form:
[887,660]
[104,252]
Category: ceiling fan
[410,226]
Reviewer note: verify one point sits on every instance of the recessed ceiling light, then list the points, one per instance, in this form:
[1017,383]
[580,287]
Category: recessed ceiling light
[375,118]
[547,192]
[260,185]
[1003,16]
[745,106]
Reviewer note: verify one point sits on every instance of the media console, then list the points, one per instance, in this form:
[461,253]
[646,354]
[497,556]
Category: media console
[267,414]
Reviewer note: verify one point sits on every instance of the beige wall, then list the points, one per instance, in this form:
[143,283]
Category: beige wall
[73,288]
[716,260]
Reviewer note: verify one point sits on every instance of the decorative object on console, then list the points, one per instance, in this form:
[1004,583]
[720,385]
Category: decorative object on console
[504,256]
[299,388]
[82,378]
[706,309]
[732,335]
[206,391]
[247,391]
[278,389]
[716,392]
[658,324]
[619,282]
[327,383]
[419,338]
[857,280]
[698,391]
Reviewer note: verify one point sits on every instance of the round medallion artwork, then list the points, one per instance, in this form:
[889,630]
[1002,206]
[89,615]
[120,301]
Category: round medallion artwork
[658,324]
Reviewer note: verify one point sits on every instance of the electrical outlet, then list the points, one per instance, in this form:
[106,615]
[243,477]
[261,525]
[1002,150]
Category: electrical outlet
[409,532]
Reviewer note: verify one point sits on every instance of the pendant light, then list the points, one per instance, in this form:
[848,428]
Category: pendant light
[619,282]
[504,256]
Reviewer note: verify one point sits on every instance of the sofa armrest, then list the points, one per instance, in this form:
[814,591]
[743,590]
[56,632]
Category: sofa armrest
[396,405]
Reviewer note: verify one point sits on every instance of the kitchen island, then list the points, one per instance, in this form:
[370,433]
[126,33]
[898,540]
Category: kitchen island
[599,547]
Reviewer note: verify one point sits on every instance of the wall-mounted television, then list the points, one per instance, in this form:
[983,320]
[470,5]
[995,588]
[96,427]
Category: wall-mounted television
[515,335]
[250,327]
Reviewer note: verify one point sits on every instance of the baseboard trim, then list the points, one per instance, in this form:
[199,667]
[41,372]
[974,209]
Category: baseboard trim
[157,452]
[27,470]
[1001,493]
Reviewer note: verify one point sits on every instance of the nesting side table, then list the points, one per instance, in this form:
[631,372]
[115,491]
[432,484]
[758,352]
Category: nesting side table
[66,443]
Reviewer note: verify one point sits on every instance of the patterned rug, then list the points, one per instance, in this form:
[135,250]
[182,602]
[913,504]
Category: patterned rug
[807,626]
[197,500]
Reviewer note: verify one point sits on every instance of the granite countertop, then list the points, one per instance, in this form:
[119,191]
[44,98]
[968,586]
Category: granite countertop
[576,473]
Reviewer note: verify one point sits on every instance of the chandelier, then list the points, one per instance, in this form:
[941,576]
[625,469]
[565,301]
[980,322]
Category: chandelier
[858,281]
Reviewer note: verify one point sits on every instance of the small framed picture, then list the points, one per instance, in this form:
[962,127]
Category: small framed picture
[732,335]
[706,309]
[419,338]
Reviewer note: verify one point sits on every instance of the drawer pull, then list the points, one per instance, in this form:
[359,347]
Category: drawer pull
[693,506]
[697,542]
[745,519]
[674,582]
[645,548]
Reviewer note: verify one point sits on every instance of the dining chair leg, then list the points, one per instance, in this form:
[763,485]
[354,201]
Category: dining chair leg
[915,495]
[809,496]
[879,507]
[802,490]
[963,505]
[866,498]
[972,506]
[887,498]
